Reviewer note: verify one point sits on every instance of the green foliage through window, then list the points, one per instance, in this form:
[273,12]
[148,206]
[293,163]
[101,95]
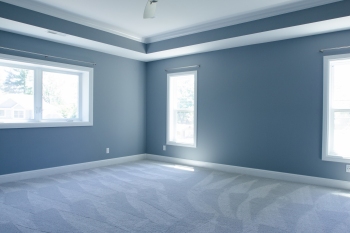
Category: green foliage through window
[17,81]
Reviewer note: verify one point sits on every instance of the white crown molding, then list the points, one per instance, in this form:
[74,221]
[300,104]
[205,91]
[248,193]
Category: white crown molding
[339,24]
[41,8]
[234,20]
[289,177]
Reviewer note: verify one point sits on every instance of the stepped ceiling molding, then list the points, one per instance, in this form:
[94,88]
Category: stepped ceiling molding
[117,27]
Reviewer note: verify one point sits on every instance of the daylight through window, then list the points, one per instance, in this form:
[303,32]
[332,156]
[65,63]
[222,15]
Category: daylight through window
[182,109]
[336,131]
[36,93]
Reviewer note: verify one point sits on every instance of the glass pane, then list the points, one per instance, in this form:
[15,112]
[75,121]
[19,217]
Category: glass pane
[184,92]
[16,94]
[60,96]
[182,109]
[18,114]
[341,138]
[341,85]
[184,127]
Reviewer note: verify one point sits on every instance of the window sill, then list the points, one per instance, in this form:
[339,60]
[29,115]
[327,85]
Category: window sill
[43,124]
[333,158]
[179,144]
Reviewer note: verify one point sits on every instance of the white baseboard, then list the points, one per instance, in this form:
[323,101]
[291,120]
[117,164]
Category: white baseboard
[69,168]
[338,184]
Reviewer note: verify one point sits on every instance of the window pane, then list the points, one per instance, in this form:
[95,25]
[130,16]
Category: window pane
[181,119]
[341,85]
[60,96]
[184,127]
[184,92]
[341,138]
[16,94]
[18,114]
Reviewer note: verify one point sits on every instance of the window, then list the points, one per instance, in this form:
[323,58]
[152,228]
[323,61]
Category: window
[182,109]
[36,93]
[18,114]
[336,116]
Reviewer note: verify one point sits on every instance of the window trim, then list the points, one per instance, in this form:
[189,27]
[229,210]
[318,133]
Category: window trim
[171,143]
[86,76]
[326,129]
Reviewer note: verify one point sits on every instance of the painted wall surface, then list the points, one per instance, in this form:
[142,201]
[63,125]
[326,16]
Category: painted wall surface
[44,21]
[306,16]
[259,106]
[119,114]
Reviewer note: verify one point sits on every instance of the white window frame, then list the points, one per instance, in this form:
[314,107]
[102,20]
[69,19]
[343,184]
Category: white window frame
[327,155]
[85,115]
[2,109]
[172,143]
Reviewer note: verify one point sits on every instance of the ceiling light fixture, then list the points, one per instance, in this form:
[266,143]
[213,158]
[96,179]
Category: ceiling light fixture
[150,9]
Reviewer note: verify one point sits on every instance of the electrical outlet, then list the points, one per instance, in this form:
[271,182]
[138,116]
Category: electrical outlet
[107,150]
[347,168]
[164,147]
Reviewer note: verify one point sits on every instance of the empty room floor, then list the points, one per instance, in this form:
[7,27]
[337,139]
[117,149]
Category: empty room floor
[147,196]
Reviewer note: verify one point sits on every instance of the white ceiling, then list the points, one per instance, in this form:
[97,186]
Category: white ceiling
[174,17]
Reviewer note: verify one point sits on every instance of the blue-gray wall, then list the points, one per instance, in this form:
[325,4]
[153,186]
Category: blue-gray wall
[259,106]
[45,22]
[296,18]
[119,114]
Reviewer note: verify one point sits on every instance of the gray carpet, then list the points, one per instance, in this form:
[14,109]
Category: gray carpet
[153,197]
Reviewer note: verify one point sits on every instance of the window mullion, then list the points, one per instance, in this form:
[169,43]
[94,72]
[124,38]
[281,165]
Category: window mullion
[330,111]
[38,92]
[80,95]
[331,131]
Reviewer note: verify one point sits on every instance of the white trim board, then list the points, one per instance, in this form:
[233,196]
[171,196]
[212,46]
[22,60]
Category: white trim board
[338,184]
[55,12]
[206,26]
[311,180]
[69,168]
[238,19]
[333,25]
